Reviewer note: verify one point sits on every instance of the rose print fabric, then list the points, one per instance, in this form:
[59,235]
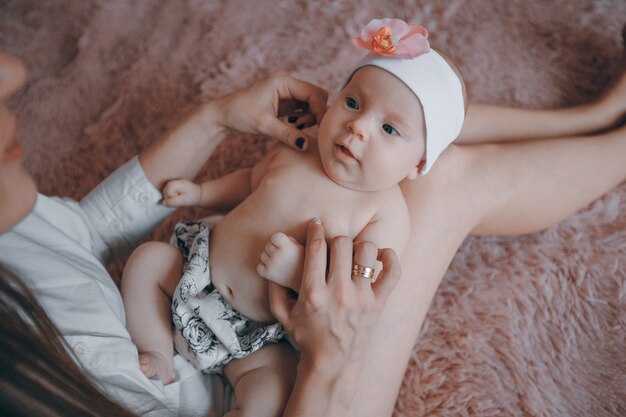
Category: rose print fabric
[209,332]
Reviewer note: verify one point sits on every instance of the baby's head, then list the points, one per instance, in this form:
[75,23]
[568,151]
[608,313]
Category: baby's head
[401,107]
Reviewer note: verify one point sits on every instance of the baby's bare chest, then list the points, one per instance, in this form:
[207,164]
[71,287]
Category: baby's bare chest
[293,194]
[285,200]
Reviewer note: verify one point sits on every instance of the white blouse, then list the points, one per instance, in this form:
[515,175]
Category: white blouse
[59,250]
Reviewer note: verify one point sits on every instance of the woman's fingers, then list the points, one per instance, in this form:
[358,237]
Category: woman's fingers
[284,132]
[291,91]
[365,255]
[389,276]
[300,120]
[260,107]
[305,121]
[281,302]
[314,272]
[316,97]
[340,263]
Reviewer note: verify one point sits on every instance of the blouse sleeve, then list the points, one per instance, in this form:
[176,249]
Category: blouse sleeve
[121,210]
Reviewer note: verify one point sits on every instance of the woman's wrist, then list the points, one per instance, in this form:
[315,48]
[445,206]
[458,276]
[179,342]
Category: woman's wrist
[210,116]
[320,380]
[181,152]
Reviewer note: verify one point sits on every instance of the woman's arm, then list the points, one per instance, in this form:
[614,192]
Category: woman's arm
[332,322]
[182,152]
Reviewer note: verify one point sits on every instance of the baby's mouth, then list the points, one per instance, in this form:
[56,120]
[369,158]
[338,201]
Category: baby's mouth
[346,151]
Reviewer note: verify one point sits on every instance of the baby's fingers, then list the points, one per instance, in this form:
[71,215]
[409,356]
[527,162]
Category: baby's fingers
[175,201]
[281,303]
[174,188]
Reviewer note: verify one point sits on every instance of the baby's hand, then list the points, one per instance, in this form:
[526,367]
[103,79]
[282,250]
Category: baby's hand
[180,193]
[282,261]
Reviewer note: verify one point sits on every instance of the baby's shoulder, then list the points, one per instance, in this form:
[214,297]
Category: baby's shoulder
[283,158]
[390,203]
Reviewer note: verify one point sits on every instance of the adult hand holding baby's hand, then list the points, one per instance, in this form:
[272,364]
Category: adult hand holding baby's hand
[256,109]
[180,193]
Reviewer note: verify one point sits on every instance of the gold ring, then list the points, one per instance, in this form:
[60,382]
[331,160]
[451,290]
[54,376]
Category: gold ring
[362,271]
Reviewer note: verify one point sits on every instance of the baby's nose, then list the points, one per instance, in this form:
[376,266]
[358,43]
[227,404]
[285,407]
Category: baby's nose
[357,128]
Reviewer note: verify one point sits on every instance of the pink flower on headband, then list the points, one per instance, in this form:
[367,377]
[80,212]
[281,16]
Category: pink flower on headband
[393,38]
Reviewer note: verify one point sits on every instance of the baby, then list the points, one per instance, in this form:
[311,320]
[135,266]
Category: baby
[402,106]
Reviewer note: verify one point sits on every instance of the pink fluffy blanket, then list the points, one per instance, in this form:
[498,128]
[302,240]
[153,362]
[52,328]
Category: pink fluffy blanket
[532,325]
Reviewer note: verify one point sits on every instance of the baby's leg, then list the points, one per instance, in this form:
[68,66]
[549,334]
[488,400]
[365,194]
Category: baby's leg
[282,261]
[148,282]
[262,381]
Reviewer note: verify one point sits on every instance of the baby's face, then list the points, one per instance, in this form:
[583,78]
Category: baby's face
[372,135]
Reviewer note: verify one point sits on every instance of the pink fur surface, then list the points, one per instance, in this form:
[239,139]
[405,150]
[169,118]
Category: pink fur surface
[525,326]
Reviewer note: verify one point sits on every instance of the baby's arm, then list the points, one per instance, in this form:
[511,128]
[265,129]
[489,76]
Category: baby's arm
[389,228]
[223,193]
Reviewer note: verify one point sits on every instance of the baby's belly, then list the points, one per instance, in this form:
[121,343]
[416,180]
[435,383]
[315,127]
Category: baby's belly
[239,239]
[233,255]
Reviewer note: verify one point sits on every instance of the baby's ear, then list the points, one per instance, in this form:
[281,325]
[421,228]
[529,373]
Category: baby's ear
[414,173]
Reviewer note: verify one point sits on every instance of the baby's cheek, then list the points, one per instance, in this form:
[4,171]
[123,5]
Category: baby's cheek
[329,118]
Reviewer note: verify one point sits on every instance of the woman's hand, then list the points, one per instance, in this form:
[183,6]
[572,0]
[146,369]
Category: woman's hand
[333,318]
[256,109]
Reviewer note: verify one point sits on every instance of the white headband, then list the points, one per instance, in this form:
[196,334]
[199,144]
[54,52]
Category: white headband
[438,89]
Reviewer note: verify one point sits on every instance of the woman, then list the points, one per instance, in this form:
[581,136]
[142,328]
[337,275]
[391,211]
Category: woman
[507,188]
[73,240]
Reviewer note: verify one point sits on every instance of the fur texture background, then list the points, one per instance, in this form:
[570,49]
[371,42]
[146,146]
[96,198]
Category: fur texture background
[526,326]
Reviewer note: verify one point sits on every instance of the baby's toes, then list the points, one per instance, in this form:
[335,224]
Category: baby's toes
[284,242]
[265,258]
[267,268]
[279,239]
[261,269]
[270,248]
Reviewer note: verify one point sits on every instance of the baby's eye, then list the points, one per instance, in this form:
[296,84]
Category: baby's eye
[390,129]
[350,102]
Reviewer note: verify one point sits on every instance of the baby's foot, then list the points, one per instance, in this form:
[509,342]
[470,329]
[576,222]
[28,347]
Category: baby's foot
[282,261]
[155,365]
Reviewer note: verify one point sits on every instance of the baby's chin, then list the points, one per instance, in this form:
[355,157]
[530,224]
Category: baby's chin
[349,185]
[338,180]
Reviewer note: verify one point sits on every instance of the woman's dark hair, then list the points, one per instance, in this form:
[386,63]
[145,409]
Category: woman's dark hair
[38,377]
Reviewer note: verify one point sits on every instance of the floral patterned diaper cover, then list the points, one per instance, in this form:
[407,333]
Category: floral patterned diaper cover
[209,332]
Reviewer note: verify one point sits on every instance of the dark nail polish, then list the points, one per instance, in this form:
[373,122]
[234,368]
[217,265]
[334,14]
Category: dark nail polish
[300,126]
[292,119]
[300,143]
